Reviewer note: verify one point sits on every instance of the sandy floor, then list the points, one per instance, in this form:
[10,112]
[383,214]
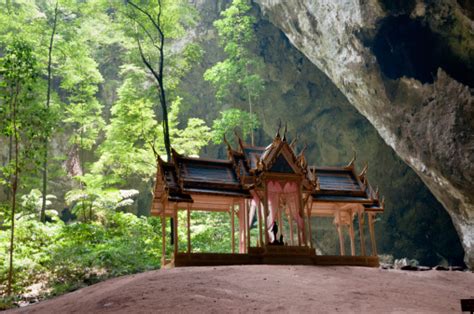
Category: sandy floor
[295,289]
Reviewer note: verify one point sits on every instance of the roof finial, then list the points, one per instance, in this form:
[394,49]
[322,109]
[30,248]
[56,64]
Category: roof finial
[303,150]
[229,147]
[364,171]
[293,142]
[227,142]
[279,127]
[354,157]
[286,129]
[239,141]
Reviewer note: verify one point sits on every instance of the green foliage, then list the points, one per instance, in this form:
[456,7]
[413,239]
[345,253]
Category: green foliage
[92,201]
[64,257]
[230,120]
[239,73]
[210,232]
[133,134]
[33,241]
[31,202]
[85,253]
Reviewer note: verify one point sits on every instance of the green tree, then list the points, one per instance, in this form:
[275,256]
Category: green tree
[133,137]
[238,74]
[22,120]
[229,121]
[154,22]
[52,22]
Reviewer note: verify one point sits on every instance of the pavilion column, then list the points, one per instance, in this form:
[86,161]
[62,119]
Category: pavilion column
[175,229]
[302,214]
[265,212]
[372,233]
[361,233]
[340,234]
[233,227]
[163,234]
[290,223]
[280,224]
[188,212]
[299,233]
[259,215]
[247,223]
[308,213]
[241,229]
[352,236]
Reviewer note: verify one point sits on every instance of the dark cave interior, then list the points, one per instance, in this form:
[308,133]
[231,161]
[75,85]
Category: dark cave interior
[406,47]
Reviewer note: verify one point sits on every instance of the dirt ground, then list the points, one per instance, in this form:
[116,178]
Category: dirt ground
[264,288]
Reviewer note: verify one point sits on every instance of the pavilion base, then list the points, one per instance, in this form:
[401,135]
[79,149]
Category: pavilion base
[273,255]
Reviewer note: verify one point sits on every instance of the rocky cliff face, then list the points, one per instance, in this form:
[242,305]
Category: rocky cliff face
[407,66]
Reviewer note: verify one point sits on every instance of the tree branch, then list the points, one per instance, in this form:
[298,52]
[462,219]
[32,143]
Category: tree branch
[155,23]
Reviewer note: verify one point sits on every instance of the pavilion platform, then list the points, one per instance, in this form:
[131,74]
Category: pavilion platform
[272,255]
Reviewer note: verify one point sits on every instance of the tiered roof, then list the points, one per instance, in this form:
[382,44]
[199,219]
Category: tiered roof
[184,177]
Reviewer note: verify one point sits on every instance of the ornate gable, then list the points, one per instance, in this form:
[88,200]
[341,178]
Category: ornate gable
[280,157]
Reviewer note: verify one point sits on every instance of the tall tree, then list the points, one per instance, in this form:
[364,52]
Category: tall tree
[237,75]
[53,23]
[18,72]
[153,28]
[155,22]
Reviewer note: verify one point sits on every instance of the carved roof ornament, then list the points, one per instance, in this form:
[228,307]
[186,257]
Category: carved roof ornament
[277,135]
[284,132]
[293,142]
[301,154]
[229,147]
[239,140]
[354,157]
[364,171]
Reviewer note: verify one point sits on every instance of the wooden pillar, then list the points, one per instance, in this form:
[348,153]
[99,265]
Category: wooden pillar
[361,233]
[247,223]
[290,223]
[298,229]
[372,234]
[259,215]
[280,224]
[188,210]
[233,227]
[175,229]
[308,212]
[340,234]
[265,212]
[163,235]
[302,215]
[341,240]
[241,215]
[351,234]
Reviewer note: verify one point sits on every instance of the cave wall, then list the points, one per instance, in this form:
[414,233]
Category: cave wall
[407,67]
[299,93]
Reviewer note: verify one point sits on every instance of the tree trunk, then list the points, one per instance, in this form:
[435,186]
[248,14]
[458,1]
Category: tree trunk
[159,79]
[48,101]
[14,192]
[251,121]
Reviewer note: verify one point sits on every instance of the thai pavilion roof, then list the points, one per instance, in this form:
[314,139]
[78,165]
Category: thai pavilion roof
[208,176]
[237,175]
